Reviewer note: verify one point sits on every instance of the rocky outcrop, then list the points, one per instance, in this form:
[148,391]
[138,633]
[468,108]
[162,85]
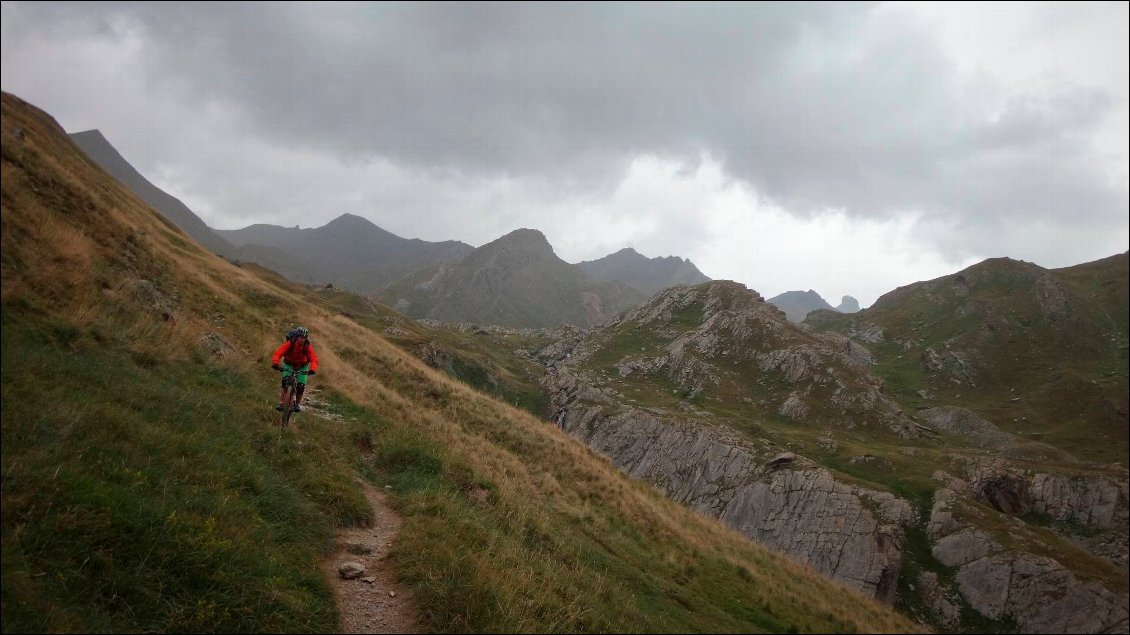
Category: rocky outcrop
[850,534]
[215,344]
[1052,298]
[984,434]
[1088,501]
[1090,511]
[154,299]
[965,423]
[1037,592]
[732,325]
[867,332]
[952,364]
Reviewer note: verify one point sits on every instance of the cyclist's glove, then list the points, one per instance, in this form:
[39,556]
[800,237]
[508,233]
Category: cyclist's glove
[276,366]
[311,372]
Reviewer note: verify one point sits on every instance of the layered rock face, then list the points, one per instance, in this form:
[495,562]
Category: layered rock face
[850,534]
[698,336]
[686,390]
[1037,592]
[1099,505]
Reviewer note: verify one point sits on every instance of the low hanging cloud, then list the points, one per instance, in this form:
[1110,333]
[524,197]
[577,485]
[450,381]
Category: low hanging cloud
[498,110]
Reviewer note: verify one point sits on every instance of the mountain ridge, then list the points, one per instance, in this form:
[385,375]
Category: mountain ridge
[99,148]
[150,460]
[647,275]
[349,251]
[515,280]
[353,253]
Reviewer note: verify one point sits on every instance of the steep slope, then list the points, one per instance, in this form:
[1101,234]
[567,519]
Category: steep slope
[515,280]
[98,148]
[794,438]
[145,488]
[683,390]
[349,251]
[1030,366]
[646,275]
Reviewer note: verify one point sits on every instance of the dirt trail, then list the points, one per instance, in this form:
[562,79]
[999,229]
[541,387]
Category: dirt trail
[374,602]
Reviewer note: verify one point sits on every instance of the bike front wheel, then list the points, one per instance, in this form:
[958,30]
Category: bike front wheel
[288,406]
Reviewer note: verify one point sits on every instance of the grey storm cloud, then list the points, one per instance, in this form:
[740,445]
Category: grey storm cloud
[817,106]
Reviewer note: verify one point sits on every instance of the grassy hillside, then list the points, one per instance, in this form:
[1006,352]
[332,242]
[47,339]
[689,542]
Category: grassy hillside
[1041,353]
[485,360]
[145,487]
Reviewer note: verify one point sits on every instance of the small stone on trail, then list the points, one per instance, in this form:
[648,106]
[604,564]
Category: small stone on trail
[392,594]
[351,570]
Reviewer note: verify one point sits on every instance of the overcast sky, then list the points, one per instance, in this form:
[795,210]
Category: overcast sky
[845,148]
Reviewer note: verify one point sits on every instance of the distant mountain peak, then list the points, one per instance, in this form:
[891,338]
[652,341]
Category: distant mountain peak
[798,304]
[848,304]
[647,275]
[352,221]
[526,233]
[525,239]
[514,280]
[347,217]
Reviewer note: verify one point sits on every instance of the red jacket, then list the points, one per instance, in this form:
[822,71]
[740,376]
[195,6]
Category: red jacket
[295,355]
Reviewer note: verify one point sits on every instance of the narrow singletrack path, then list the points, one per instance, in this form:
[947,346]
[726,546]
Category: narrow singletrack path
[374,602]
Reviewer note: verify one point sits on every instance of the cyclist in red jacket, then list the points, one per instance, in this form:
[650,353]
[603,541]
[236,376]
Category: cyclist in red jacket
[296,353]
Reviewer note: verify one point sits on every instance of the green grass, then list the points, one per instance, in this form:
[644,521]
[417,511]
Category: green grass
[626,342]
[146,487]
[533,561]
[144,495]
[689,317]
[488,363]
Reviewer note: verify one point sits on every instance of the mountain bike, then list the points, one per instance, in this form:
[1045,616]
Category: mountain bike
[290,384]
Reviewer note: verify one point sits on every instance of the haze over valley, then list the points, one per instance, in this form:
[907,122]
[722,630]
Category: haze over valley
[688,317]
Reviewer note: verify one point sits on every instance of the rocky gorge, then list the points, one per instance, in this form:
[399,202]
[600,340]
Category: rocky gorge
[1030,550]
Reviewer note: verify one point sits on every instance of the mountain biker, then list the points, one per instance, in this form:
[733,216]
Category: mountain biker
[296,353]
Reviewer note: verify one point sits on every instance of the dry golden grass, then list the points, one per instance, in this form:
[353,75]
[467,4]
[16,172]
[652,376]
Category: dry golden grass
[108,240]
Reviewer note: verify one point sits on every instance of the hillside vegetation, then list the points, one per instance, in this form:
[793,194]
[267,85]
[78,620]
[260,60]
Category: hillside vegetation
[713,396]
[1043,353]
[145,487]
